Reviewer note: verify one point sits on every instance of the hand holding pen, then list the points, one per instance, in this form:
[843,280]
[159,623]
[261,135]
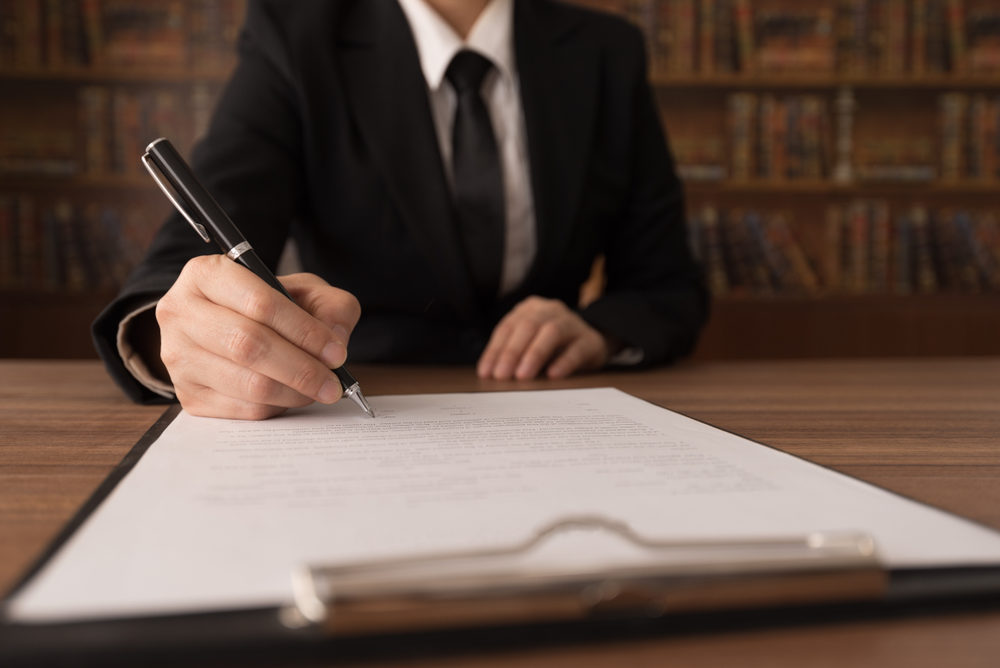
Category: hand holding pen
[235,342]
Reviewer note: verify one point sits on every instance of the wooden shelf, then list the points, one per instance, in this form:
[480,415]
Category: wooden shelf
[852,326]
[859,188]
[171,74]
[827,80]
[49,324]
[77,182]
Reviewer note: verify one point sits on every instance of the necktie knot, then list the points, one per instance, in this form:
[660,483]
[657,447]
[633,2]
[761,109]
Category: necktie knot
[467,71]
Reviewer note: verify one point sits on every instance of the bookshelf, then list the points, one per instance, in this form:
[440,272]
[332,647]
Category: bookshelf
[845,154]
[841,161]
[86,84]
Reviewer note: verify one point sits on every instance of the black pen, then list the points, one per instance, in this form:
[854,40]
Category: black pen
[218,227]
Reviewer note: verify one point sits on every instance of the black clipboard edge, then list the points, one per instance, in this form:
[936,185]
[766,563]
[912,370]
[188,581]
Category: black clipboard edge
[256,637]
[98,496]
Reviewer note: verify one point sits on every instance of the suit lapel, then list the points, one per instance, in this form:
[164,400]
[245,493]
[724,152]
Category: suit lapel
[559,86]
[386,90]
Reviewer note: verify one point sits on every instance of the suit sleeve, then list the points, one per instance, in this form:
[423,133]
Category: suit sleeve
[248,161]
[655,297]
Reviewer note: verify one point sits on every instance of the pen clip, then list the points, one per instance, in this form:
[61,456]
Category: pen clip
[198,227]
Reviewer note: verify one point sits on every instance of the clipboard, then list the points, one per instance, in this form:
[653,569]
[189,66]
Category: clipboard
[478,591]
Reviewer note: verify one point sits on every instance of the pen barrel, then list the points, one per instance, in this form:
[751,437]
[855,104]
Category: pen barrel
[199,201]
[252,261]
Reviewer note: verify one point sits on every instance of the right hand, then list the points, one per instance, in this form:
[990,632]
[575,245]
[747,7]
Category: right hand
[236,348]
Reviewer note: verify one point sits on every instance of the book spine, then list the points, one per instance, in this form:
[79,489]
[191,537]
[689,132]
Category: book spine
[969,268]
[812,141]
[956,35]
[743,23]
[925,278]
[8,243]
[28,32]
[918,30]
[880,247]
[856,258]
[742,121]
[49,268]
[74,44]
[902,256]
[768,269]
[706,37]
[987,243]
[877,40]
[29,244]
[983,38]
[991,142]
[725,38]
[944,251]
[94,124]
[715,261]
[861,30]
[93,33]
[54,56]
[897,34]
[685,37]
[976,147]
[800,275]
[70,273]
[953,110]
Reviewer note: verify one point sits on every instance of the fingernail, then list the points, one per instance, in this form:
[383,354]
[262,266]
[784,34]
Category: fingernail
[334,354]
[330,391]
[341,334]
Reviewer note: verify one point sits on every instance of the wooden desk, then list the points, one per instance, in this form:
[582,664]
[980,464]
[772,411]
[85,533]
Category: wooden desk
[929,429]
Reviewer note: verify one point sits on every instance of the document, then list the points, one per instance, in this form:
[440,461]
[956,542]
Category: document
[217,514]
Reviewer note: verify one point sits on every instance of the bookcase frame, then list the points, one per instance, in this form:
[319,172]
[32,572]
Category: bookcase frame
[46,322]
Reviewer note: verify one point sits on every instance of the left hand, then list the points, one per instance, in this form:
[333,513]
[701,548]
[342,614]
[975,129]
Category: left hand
[542,334]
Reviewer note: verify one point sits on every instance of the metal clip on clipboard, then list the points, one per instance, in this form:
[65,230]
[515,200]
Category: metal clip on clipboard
[488,587]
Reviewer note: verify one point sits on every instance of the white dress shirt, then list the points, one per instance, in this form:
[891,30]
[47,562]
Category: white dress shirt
[492,36]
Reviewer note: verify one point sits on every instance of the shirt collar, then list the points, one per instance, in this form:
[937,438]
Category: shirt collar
[437,42]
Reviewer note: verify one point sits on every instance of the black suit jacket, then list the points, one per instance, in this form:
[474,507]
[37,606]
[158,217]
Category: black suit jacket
[325,133]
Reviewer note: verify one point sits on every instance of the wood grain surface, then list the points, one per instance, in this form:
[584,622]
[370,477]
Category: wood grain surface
[927,428]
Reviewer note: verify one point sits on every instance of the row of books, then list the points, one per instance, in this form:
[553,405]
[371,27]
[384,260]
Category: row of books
[970,136]
[118,33]
[790,137]
[779,137]
[767,137]
[870,249]
[862,37]
[864,248]
[966,146]
[61,246]
[750,252]
[115,124]
[118,122]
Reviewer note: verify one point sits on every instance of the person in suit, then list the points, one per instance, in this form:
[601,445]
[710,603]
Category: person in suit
[351,127]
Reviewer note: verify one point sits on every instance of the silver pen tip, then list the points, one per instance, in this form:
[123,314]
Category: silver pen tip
[354,394]
[364,404]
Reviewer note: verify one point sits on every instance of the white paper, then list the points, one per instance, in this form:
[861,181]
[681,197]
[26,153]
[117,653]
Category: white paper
[218,513]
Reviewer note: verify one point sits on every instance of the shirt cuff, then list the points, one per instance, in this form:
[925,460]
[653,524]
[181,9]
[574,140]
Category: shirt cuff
[134,363]
[630,356]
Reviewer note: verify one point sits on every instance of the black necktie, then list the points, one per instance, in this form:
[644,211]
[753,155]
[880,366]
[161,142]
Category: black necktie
[478,182]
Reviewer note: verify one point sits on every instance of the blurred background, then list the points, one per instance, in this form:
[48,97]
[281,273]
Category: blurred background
[841,161]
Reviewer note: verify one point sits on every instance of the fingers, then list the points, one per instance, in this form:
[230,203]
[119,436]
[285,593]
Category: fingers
[245,395]
[338,309]
[541,334]
[232,287]
[234,347]
[252,345]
